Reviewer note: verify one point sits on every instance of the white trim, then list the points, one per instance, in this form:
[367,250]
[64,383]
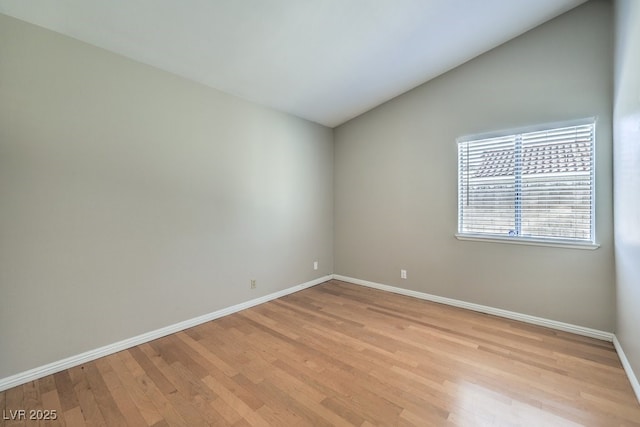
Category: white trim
[69,362]
[553,324]
[635,385]
[525,241]
[79,359]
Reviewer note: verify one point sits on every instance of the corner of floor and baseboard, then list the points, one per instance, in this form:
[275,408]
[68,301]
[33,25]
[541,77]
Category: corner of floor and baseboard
[51,368]
[553,324]
[76,360]
[633,379]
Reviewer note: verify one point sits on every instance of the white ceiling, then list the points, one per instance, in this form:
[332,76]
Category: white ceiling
[324,60]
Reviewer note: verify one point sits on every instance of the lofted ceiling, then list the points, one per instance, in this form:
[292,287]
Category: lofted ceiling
[323,60]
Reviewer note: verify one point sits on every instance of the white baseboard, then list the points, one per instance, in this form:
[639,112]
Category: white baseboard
[635,385]
[52,368]
[79,359]
[567,327]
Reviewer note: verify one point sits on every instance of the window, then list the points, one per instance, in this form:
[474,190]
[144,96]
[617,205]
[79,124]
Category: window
[529,187]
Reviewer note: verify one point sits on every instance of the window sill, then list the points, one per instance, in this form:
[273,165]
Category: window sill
[530,242]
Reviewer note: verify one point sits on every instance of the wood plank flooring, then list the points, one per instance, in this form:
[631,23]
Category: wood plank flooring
[338,355]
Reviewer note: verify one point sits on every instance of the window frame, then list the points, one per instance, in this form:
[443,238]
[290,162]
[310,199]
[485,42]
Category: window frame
[522,240]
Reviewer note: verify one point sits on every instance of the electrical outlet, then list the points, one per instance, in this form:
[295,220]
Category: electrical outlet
[253,284]
[403,274]
[315,265]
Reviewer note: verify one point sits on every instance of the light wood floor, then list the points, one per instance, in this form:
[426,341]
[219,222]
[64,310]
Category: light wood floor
[341,354]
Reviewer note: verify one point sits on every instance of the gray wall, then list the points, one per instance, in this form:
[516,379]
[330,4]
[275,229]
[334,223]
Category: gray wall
[626,188]
[395,176]
[132,199]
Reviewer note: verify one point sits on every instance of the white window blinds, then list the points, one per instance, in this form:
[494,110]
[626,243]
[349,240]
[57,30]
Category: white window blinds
[534,185]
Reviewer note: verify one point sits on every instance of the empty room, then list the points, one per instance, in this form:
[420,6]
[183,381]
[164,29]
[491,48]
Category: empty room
[320,213]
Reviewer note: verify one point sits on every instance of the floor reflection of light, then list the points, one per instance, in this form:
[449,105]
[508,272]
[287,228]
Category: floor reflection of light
[477,406]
